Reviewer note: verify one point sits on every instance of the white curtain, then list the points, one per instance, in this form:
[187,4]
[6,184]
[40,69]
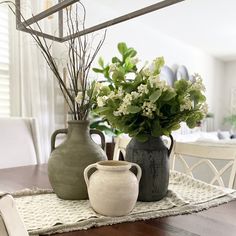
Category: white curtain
[32,81]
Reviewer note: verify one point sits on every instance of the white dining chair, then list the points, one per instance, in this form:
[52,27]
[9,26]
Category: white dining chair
[19,142]
[215,164]
[11,223]
[120,146]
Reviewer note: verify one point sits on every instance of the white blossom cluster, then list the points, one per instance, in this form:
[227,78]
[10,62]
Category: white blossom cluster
[148,108]
[146,72]
[204,108]
[186,104]
[143,89]
[113,67]
[82,97]
[123,108]
[155,82]
[150,71]
[135,95]
[101,101]
[198,84]
[97,87]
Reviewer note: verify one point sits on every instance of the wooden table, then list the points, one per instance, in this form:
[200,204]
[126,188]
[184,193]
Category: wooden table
[217,221]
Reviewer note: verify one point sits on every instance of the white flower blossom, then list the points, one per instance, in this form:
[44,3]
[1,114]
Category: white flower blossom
[198,83]
[82,97]
[146,72]
[135,95]
[112,95]
[148,108]
[101,101]
[113,67]
[153,81]
[123,108]
[120,92]
[128,98]
[204,108]
[163,85]
[117,113]
[186,104]
[97,87]
[142,88]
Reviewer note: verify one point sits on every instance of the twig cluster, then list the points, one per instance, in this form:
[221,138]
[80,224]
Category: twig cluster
[81,54]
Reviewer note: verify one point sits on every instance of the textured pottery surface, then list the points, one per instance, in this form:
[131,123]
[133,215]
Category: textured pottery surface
[152,156]
[67,162]
[113,188]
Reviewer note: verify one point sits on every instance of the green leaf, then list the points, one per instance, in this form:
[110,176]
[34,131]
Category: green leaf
[100,110]
[181,86]
[118,75]
[175,127]
[128,64]
[158,63]
[106,73]
[101,62]
[168,95]
[156,128]
[97,70]
[122,48]
[155,95]
[133,109]
[105,90]
[116,60]
[142,137]
[130,52]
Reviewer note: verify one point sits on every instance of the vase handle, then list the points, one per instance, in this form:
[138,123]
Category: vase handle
[54,135]
[171,145]
[86,170]
[102,136]
[139,170]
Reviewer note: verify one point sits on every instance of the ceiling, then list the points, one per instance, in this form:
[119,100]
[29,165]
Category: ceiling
[206,24]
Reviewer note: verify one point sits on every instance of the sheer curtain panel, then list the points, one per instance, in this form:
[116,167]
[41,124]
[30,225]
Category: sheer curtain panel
[4,62]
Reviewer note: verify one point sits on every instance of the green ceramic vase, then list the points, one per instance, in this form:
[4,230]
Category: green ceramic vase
[68,160]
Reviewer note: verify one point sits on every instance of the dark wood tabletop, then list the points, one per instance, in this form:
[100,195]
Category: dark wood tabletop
[216,221]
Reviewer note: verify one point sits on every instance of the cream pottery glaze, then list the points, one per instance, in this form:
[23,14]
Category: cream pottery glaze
[113,188]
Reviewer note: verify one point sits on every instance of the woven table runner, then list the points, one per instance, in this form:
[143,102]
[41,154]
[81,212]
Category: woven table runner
[44,213]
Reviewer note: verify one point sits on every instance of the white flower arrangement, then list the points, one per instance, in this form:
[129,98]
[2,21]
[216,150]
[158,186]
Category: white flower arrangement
[147,105]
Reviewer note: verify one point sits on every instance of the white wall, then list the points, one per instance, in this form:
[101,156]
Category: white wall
[228,83]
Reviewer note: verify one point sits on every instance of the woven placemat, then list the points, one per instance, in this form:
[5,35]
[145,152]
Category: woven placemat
[44,213]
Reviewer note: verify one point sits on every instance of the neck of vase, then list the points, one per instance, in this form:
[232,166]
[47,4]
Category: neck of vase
[78,126]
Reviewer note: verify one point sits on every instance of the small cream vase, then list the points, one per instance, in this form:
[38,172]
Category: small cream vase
[113,188]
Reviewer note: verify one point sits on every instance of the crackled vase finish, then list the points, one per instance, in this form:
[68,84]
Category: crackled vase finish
[68,160]
[113,188]
[153,158]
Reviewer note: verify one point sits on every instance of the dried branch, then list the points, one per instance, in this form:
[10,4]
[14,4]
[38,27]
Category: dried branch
[80,57]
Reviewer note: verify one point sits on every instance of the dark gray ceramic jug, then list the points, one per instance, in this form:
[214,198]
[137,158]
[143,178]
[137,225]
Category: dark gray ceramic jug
[67,161]
[153,158]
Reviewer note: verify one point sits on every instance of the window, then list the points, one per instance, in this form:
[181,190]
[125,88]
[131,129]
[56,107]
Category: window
[4,62]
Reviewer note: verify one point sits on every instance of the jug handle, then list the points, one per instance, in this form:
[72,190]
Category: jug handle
[171,144]
[54,135]
[86,170]
[102,136]
[65,131]
[139,170]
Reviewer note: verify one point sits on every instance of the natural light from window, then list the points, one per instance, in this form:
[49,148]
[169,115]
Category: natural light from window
[4,63]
